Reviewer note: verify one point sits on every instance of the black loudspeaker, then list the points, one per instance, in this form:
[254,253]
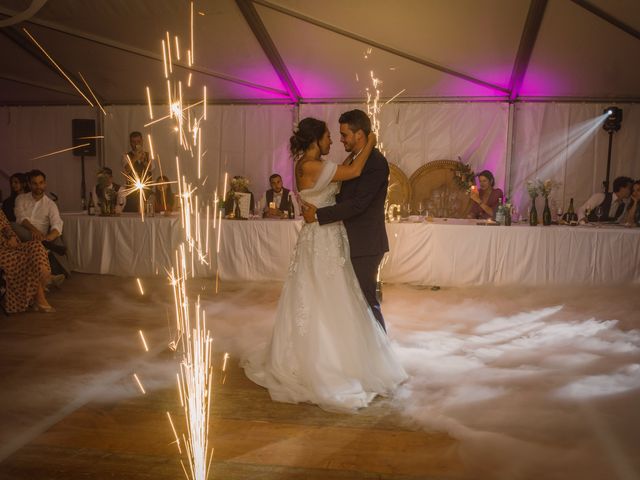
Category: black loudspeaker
[80,129]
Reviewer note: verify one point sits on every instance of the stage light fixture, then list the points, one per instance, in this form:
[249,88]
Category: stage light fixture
[614,119]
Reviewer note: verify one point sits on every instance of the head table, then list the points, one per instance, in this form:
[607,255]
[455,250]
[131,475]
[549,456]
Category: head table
[445,253]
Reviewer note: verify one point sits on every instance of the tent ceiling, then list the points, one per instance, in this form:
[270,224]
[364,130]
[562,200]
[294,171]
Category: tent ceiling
[431,49]
[586,58]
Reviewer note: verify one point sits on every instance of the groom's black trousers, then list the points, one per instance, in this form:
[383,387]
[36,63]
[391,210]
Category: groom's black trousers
[366,269]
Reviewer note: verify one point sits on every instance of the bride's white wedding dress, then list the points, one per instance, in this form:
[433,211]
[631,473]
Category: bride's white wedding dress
[326,348]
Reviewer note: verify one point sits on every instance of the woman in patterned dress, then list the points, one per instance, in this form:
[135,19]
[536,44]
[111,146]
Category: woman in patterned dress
[26,269]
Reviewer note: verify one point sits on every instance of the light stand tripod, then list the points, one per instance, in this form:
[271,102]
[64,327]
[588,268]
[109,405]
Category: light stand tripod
[611,125]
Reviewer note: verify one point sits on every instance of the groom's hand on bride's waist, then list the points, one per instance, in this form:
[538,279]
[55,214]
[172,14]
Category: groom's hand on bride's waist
[309,212]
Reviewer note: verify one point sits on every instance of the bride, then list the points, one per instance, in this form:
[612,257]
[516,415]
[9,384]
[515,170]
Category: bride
[326,347]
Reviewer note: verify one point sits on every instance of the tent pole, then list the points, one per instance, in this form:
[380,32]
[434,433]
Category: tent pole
[510,146]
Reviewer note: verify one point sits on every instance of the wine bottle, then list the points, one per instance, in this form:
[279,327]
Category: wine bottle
[236,211]
[570,216]
[290,211]
[500,213]
[507,213]
[546,213]
[92,207]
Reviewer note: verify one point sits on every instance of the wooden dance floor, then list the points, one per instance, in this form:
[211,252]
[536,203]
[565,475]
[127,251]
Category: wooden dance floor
[110,430]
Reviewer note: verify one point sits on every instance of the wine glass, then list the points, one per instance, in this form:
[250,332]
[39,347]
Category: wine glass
[599,213]
[258,210]
[587,212]
[421,208]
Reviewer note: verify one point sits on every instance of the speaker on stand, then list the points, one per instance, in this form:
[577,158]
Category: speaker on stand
[82,131]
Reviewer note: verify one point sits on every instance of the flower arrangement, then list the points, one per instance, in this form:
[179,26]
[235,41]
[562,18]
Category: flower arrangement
[545,187]
[539,187]
[239,184]
[464,176]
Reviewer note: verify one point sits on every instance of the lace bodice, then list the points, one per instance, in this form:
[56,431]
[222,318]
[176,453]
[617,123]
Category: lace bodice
[323,197]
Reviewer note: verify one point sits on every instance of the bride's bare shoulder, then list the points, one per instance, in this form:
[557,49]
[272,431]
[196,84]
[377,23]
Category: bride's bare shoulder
[307,170]
[308,163]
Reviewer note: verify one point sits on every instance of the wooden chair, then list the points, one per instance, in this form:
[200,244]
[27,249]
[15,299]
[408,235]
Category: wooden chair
[434,185]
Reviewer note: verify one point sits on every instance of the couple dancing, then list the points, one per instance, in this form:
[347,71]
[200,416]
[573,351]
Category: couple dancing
[329,345]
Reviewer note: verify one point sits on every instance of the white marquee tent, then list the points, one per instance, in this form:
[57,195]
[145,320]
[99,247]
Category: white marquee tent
[509,85]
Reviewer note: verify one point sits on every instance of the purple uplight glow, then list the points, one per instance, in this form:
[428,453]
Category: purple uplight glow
[539,83]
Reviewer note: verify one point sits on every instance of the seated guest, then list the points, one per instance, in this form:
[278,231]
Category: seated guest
[278,200]
[141,162]
[18,183]
[612,204]
[106,190]
[27,271]
[239,184]
[486,198]
[38,218]
[165,199]
[632,215]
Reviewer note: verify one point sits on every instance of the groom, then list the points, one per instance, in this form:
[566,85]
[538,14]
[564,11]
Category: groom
[360,205]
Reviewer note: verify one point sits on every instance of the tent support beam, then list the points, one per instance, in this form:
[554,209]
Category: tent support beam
[608,18]
[31,83]
[143,53]
[379,46]
[527,43]
[259,30]
[17,38]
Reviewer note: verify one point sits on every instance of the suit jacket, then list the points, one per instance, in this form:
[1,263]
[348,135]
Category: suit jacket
[360,205]
[284,201]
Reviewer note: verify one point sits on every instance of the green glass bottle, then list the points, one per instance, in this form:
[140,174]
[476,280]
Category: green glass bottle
[546,213]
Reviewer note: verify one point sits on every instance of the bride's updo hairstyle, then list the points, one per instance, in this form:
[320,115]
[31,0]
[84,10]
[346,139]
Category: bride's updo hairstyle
[309,131]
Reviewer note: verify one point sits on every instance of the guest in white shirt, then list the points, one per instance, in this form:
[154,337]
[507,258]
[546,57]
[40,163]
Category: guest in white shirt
[278,200]
[38,218]
[612,205]
[37,212]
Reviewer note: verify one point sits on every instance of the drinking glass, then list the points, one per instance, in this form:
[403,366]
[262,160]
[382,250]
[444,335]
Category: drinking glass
[599,213]
[257,213]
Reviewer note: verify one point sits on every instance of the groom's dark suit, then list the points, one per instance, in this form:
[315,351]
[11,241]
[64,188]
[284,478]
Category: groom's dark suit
[360,205]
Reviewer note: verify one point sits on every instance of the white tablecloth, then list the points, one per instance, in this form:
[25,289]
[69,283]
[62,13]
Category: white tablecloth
[423,253]
[457,255]
[123,245]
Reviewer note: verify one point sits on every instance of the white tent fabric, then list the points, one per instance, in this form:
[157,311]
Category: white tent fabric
[28,132]
[560,141]
[241,140]
[415,134]
[253,141]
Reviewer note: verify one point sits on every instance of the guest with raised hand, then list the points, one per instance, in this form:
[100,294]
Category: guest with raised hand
[486,198]
[632,215]
[27,270]
[18,183]
[142,164]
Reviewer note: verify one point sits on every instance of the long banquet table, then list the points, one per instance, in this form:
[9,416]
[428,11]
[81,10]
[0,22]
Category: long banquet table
[453,253]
